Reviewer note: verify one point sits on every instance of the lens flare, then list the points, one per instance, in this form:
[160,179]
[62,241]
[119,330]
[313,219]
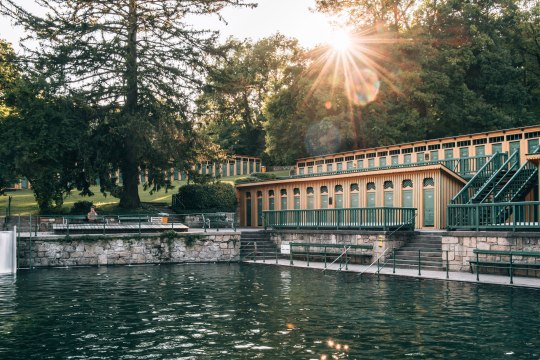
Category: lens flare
[322,138]
[364,87]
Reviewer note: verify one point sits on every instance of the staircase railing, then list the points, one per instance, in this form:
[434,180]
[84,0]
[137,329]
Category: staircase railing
[512,190]
[506,170]
[485,172]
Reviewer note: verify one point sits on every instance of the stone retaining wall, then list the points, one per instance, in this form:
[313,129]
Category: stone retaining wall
[460,246]
[380,240]
[125,250]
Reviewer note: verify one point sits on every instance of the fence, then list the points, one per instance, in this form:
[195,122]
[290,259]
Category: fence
[494,216]
[383,218]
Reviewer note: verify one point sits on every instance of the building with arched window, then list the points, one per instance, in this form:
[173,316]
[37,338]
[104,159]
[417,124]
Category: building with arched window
[462,182]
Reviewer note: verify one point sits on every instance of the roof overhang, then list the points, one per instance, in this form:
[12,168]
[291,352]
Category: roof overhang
[403,170]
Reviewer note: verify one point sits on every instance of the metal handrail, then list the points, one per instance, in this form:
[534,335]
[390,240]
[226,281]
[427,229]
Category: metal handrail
[373,263]
[493,176]
[478,177]
[517,176]
[336,259]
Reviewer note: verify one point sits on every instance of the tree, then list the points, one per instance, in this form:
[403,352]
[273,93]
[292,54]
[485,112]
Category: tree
[238,86]
[137,64]
[9,73]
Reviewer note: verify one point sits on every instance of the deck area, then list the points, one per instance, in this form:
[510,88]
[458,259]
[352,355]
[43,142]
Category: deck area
[98,228]
[519,281]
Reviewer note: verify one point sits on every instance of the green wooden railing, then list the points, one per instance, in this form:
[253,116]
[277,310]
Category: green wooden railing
[487,192]
[385,218]
[519,184]
[466,167]
[480,178]
[494,216]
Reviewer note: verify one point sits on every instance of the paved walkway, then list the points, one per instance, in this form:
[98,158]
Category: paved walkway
[413,273]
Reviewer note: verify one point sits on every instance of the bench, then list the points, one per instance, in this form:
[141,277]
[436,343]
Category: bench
[342,252]
[132,218]
[219,220]
[511,266]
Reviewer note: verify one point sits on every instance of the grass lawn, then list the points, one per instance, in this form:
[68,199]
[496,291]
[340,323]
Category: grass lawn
[23,202]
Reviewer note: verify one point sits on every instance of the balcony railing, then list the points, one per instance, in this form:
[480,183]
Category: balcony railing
[382,218]
[494,216]
[466,167]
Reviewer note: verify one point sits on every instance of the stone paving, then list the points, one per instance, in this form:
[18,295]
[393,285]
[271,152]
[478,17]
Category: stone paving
[519,281]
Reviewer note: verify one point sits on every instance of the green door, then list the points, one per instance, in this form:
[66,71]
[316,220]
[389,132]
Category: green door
[245,167]
[248,211]
[406,198]
[514,146]
[259,212]
[464,167]
[339,201]
[238,167]
[370,199]
[297,202]
[354,200]
[532,145]
[283,219]
[434,155]
[407,158]
[496,148]
[420,158]
[231,169]
[382,162]
[480,152]
[371,163]
[429,207]
[449,154]
[24,183]
[394,160]
[324,201]
[310,205]
[271,204]
[388,202]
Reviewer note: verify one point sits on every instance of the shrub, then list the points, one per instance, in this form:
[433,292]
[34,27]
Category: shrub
[219,197]
[256,177]
[81,207]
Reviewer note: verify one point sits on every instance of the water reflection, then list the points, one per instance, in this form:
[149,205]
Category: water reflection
[259,312]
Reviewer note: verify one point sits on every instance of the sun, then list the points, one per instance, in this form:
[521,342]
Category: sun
[341,40]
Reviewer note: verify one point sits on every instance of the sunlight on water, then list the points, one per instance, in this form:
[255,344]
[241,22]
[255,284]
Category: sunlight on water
[259,312]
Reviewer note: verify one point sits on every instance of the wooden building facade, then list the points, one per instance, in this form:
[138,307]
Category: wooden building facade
[425,175]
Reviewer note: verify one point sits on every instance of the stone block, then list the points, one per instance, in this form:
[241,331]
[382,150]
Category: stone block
[450,240]
[484,246]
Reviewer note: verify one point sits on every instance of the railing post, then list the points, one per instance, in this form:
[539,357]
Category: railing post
[447,264]
[515,218]
[325,257]
[139,225]
[276,255]
[378,266]
[290,255]
[394,261]
[419,264]
[346,260]
[30,257]
[67,232]
[255,251]
[307,254]
[511,270]
[477,274]
[104,221]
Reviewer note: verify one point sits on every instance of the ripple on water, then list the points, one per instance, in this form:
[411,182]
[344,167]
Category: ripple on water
[244,311]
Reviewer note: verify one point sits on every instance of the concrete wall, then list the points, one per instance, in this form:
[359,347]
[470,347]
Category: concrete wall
[460,246]
[127,249]
[379,240]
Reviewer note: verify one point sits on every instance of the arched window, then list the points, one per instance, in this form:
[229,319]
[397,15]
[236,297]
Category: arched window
[248,208]
[296,193]
[407,183]
[407,193]
[283,193]
[370,186]
[388,185]
[310,198]
[271,201]
[354,196]
[339,196]
[429,182]
[324,197]
[259,208]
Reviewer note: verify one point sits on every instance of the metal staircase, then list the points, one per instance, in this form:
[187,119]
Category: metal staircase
[486,192]
[486,173]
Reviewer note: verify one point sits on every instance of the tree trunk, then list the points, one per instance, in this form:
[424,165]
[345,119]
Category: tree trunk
[129,198]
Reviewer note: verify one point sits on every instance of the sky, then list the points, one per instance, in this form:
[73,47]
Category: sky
[292,18]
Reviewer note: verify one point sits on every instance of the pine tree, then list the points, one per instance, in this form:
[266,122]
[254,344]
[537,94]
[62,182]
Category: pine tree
[138,63]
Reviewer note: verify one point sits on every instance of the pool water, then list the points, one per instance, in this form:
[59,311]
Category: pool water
[219,311]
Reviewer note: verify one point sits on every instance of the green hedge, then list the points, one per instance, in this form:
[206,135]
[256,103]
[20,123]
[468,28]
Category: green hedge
[219,197]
